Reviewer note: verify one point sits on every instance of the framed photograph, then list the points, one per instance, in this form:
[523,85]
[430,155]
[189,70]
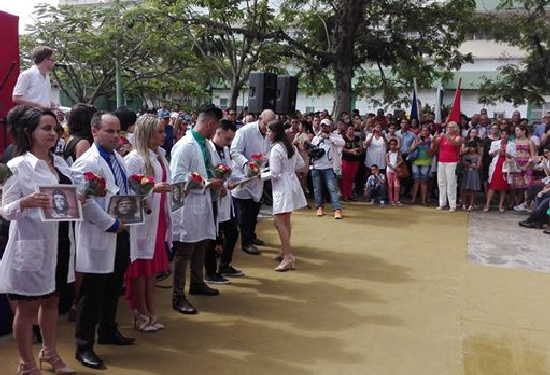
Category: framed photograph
[65,204]
[128,208]
[178,195]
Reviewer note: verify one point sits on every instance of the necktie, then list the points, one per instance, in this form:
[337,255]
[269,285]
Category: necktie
[119,174]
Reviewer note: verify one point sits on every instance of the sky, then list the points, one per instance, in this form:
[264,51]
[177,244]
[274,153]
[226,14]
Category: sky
[23,9]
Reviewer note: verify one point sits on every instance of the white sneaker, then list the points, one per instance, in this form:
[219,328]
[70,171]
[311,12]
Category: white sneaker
[522,207]
[439,208]
[452,209]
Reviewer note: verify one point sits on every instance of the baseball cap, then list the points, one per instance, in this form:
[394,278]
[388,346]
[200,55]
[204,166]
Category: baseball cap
[163,113]
[326,122]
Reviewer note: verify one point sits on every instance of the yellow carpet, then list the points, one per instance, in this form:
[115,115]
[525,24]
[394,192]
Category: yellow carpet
[384,291]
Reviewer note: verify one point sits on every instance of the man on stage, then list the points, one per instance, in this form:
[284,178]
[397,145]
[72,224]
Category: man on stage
[249,140]
[33,85]
[102,246]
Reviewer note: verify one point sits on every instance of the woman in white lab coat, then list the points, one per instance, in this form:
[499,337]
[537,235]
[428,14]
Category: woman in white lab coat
[148,241]
[38,260]
[284,161]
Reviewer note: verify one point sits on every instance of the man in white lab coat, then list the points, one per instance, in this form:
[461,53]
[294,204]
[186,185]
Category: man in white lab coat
[249,140]
[193,225]
[102,246]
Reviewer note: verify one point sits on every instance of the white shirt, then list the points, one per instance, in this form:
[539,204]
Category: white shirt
[34,86]
[288,195]
[248,140]
[28,265]
[194,221]
[143,237]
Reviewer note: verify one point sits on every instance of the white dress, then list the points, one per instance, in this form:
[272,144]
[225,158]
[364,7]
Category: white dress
[288,195]
[376,152]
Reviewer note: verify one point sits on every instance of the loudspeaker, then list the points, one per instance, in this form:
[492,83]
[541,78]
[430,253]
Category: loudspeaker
[287,86]
[262,92]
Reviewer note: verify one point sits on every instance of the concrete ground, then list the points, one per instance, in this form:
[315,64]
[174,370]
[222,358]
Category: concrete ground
[384,291]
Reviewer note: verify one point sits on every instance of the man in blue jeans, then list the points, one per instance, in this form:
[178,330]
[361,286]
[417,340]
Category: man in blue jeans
[539,216]
[323,168]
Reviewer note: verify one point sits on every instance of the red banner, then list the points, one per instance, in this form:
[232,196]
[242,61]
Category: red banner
[9,68]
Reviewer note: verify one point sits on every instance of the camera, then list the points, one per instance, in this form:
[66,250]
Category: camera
[314,152]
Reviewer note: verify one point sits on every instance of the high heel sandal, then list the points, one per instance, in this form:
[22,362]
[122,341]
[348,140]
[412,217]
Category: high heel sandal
[153,322]
[142,323]
[55,361]
[27,369]
[287,264]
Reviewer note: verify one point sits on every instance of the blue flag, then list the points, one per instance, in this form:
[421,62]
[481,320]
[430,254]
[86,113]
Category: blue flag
[415,113]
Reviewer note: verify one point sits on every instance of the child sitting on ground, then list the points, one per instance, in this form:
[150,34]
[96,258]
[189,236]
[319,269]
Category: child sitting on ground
[375,188]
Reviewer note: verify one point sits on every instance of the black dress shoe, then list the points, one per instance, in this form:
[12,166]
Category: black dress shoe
[203,290]
[251,250]
[182,305]
[114,337]
[257,241]
[88,358]
[529,224]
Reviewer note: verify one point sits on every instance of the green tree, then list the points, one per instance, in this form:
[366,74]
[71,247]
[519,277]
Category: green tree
[229,36]
[524,24]
[385,43]
[89,40]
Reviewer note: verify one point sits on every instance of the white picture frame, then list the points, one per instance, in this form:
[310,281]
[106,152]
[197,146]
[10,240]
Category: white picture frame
[65,203]
[127,208]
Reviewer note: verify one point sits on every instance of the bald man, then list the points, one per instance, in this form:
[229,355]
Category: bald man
[250,139]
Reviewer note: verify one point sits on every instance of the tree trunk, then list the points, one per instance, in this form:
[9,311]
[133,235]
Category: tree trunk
[349,15]
[343,72]
[235,87]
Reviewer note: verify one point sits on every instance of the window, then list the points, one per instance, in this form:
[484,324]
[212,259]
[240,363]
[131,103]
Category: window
[224,102]
[310,109]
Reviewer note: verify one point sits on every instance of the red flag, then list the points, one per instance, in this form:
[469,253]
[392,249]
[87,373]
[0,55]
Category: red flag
[455,110]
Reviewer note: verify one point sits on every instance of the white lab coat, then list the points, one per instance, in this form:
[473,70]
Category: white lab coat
[29,262]
[495,146]
[143,237]
[288,195]
[96,248]
[248,140]
[194,221]
[225,204]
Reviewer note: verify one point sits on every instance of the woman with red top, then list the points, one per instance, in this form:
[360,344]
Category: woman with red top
[500,151]
[148,241]
[448,146]
[351,158]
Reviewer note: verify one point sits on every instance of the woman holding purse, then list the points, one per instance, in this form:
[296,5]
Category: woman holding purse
[148,240]
[38,261]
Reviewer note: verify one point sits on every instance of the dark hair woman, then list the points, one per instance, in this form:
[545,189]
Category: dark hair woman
[80,131]
[35,266]
[288,195]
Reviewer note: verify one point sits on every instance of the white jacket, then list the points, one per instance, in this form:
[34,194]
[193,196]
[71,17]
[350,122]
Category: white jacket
[28,265]
[96,248]
[194,221]
[143,237]
[225,204]
[333,157]
[248,140]
[288,195]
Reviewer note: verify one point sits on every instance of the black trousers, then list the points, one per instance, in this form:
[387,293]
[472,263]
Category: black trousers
[99,293]
[229,234]
[247,216]
[188,254]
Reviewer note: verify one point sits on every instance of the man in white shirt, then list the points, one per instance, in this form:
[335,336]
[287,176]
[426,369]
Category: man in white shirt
[33,85]
[324,166]
[249,140]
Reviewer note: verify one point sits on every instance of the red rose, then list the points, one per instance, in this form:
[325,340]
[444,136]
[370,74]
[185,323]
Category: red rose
[196,177]
[257,157]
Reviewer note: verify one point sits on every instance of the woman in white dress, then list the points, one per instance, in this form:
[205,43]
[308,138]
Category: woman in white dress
[288,195]
[375,144]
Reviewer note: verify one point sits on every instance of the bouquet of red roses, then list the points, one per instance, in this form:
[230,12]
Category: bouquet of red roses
[92,185]
[141,185]
[194,181]
[254,165]
[222,171]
